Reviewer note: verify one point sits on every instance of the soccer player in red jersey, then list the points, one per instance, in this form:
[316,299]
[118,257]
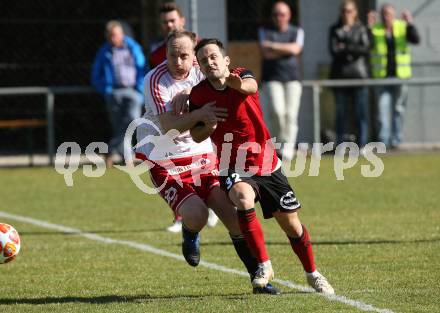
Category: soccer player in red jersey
[250,168]
[171,18]
[185,173]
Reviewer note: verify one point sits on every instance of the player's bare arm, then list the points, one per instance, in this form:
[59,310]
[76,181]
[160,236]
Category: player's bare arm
[180,101]
[247,86]
[212,116]
[186,121]
[202,132]
[181,122]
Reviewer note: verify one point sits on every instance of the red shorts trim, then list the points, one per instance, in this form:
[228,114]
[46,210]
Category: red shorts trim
[181,178]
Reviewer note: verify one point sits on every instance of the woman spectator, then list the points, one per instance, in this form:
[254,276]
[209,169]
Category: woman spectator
[349,47]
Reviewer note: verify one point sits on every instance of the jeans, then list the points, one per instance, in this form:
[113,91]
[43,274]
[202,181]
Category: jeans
[281,112]
[360,101]
[391,105]
[123,106]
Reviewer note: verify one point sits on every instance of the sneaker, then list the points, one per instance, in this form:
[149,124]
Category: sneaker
[263,275]
[269,289]
[212,219]
[319,283]
[191,247]
[176,227]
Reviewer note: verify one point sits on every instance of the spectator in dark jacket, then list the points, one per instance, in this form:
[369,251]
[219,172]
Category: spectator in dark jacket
[349,47]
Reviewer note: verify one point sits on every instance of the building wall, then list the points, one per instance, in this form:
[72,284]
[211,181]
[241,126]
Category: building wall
[211,17]
[315,18]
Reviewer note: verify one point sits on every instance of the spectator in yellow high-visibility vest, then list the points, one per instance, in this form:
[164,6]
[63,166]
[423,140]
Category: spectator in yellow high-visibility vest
[391,57]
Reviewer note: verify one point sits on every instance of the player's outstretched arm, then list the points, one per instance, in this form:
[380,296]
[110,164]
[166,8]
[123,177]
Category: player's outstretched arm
[211,115]
[208,114]
[181,122]
[248,86]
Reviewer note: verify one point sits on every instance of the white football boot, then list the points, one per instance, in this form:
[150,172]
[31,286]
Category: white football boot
[212,218]
[264,275]
[176,227]
[318,282]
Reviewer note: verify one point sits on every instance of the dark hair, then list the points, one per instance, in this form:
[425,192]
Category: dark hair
[181,33]
[170,7]
[210,41]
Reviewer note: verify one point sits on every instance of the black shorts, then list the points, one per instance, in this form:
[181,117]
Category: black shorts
[273,192]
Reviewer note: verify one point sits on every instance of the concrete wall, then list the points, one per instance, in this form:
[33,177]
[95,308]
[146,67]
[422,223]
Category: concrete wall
[211,17]
[315,18]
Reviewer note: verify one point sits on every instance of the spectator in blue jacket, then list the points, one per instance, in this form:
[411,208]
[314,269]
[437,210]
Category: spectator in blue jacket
[118,73]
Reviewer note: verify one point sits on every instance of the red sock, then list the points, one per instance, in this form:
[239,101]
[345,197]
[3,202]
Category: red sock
[253,234]
[177,217]
[303,249]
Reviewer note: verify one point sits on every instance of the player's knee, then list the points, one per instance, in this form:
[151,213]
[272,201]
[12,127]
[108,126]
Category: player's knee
[200,214]
[195,217]
[244,202]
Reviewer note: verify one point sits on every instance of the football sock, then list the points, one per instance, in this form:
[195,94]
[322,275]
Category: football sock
[245,254]
[177,217]
[302,246]
[253,234]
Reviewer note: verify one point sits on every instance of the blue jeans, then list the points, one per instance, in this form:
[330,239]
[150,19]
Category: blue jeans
[360,101]
[123,106]
[391,105]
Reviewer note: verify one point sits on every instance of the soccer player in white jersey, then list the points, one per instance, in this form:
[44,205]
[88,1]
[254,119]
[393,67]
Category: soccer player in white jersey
[186,173]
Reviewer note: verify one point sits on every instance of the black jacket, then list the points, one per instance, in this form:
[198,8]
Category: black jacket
[349,50]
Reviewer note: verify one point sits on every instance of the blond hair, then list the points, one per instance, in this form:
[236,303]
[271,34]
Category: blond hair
[181,33]
[112,24]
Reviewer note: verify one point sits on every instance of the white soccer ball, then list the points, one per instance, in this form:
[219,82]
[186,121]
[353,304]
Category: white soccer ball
[9,243]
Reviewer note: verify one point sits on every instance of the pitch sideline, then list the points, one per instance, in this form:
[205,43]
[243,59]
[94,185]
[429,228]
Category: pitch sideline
[145,247]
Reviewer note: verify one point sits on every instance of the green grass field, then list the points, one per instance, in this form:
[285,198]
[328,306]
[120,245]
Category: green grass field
[376,239]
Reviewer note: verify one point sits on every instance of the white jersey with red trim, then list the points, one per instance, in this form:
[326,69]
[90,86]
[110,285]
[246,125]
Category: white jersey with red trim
[160,88]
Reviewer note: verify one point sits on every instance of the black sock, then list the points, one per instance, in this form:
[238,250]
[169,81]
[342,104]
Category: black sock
[187,233]
[245,255]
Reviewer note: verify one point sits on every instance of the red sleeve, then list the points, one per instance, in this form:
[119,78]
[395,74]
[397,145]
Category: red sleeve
[158,56]
[193,103]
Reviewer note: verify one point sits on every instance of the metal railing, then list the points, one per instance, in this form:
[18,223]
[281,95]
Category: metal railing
[316,85]
[49,93]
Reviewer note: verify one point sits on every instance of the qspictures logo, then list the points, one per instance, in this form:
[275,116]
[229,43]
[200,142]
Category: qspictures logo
[162,149]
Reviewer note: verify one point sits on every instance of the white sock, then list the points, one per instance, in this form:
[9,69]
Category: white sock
[313,274]
[265,264]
